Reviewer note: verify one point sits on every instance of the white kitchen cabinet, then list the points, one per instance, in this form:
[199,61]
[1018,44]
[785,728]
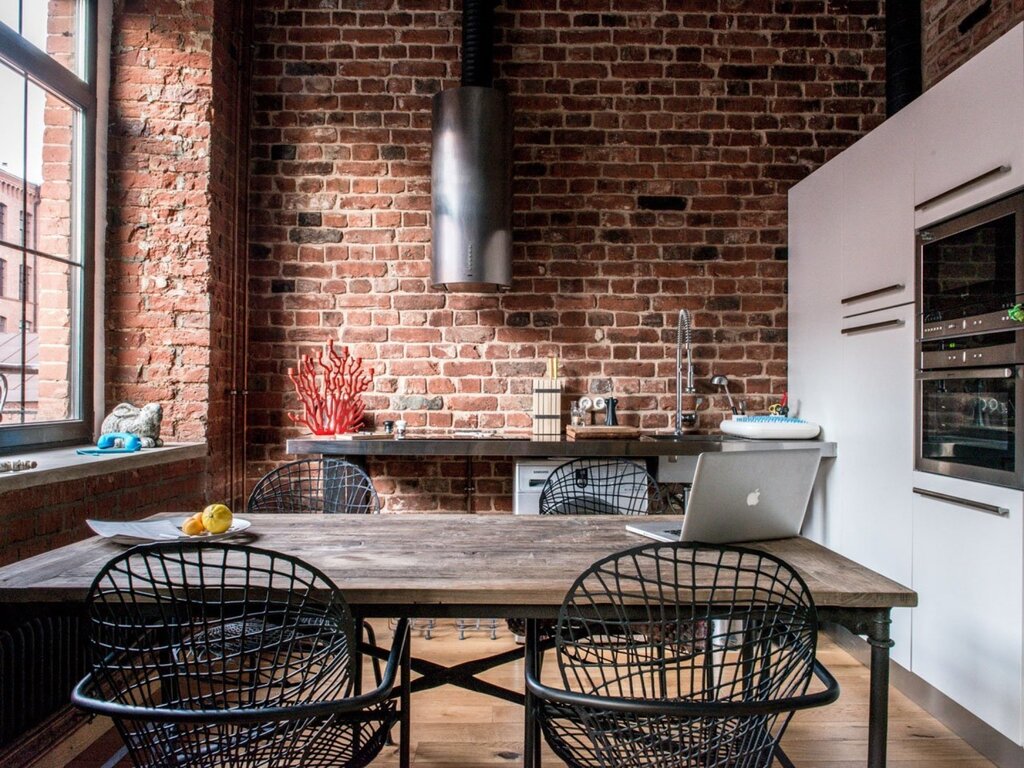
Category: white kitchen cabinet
[815,243]
[968,625]
[875,465]
[878,219]
[968,127]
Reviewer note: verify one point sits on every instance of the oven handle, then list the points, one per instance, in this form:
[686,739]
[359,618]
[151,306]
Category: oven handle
[992,509]
[967,373]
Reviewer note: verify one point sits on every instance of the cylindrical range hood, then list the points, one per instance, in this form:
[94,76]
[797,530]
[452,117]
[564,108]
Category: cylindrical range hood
[471,170]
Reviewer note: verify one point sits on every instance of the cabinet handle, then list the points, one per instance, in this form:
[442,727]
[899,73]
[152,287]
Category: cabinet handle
[876,292]
[977,179]
[991,509]
[872,326]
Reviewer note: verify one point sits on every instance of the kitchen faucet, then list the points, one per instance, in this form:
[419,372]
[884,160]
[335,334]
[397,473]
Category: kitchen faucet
[684,336]
[719,380]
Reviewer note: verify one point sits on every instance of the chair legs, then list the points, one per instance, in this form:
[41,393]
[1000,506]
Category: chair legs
[463,625]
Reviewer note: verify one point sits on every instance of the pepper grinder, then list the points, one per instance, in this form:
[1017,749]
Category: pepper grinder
[610,419]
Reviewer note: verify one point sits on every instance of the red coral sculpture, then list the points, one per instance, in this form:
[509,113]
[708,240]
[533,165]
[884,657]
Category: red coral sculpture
[331,391]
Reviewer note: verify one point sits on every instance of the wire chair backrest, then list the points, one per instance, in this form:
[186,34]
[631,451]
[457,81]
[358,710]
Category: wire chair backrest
[230,625]
[211,628]
[601,487]
[322,485]
[686,622]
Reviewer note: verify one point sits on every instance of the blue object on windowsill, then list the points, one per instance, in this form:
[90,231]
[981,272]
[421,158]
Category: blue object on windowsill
[108,444]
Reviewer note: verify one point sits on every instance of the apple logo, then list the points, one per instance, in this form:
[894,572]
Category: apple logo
[753,497]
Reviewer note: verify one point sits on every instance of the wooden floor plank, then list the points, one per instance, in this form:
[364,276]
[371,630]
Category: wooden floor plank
[454,728]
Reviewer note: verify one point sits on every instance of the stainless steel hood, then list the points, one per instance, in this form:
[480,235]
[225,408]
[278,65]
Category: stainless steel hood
[471,170]
[472,190]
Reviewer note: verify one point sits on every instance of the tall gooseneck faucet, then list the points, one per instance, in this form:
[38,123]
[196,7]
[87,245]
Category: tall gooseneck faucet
[684,337]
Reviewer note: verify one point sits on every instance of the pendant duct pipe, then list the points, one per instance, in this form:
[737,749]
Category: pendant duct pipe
[471,160]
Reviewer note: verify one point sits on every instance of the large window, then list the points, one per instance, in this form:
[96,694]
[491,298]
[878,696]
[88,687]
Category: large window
[47,186]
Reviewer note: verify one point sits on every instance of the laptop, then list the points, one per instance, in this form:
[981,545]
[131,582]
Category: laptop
[742,496]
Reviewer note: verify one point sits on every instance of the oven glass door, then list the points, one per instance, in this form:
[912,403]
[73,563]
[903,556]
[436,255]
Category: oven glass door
[969,271]
[968,424]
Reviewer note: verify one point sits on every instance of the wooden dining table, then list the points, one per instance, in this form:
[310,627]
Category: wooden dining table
[487,566]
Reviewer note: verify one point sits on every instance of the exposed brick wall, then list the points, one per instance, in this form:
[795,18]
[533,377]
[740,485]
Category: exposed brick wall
[954,30]
[172,291]
[159,235]
[655,141]
[38,519]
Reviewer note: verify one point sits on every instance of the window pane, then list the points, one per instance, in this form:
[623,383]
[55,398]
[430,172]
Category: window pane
[50,25]
[52,133]
[10,14]
[12,148]
[38,337]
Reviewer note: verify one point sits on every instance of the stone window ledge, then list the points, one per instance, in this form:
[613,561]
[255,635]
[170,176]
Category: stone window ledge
[58,465]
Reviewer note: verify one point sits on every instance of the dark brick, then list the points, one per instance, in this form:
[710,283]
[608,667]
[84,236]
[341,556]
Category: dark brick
[323,235]
[662,203]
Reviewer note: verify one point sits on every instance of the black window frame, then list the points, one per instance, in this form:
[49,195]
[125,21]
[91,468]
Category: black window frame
[81,92]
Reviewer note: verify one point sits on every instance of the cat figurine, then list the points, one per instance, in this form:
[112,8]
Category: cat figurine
[143,422]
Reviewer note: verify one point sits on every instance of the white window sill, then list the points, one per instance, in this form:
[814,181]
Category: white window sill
[58,465]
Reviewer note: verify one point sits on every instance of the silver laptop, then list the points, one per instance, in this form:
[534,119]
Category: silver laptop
[742,496]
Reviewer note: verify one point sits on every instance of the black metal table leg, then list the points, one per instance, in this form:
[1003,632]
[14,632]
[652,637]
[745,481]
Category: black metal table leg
[878,713]
[405,680]
[874,624]
[531,737]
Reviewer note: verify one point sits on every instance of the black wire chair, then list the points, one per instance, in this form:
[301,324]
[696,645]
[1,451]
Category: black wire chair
[211,654]
[319,486]
[596,487]
[322,485]
[601,487]
[718,696]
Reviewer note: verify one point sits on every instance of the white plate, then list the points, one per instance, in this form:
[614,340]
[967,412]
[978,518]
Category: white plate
[159,530]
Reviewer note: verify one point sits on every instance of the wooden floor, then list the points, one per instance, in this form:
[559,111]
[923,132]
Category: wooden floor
[453,728]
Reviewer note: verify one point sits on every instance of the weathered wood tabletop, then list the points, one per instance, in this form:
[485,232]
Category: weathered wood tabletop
[449,560]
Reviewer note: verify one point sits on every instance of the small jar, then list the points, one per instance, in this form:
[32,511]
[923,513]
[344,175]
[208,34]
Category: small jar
[576,414]
[389,427]
[400,427]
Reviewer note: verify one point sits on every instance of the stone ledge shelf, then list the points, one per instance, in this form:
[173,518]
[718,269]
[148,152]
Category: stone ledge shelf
[57,465]
[448,444]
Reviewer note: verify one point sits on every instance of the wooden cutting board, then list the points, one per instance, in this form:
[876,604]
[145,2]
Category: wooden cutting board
[602,433]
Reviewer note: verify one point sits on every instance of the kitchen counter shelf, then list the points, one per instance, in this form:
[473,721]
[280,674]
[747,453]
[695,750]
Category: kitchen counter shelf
[508,446]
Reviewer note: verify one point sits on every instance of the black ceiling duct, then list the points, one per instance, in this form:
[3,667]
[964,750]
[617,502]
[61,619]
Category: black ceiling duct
[471,169]
[902,55]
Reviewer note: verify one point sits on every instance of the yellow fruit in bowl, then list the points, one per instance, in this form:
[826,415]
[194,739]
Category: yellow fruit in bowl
[193,526]
[217,518]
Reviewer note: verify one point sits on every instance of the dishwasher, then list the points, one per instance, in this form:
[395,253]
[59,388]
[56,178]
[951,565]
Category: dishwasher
[532,474]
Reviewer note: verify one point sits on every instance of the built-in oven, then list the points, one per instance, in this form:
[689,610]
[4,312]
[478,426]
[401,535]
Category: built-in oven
[967,424]
[970,348]
[970,276]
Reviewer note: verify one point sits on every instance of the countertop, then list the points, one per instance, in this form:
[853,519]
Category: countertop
[520,444]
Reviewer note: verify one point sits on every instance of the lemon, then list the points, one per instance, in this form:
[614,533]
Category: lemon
[217,518]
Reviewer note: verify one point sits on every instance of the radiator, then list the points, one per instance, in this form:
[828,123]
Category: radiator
[41,660]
